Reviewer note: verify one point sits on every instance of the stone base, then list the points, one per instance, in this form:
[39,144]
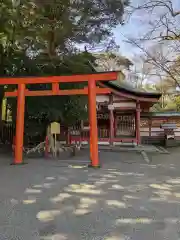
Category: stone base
[171,143]
[95,167]
[18,164]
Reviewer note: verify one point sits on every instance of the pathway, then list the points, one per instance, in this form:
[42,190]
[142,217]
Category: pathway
[58,200]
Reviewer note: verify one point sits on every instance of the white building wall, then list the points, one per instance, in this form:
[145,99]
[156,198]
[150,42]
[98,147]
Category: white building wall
[102,98]
[123,104]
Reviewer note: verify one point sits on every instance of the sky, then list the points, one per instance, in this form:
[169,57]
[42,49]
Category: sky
[132,29]
[135,27]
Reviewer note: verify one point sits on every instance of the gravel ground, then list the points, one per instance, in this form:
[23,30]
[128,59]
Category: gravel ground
[64,200]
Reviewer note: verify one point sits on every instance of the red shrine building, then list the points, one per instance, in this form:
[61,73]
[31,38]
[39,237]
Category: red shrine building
[119,115]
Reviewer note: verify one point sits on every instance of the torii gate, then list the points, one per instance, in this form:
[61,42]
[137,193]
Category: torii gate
[91,91]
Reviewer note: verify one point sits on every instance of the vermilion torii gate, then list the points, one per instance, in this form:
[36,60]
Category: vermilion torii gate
[91,91]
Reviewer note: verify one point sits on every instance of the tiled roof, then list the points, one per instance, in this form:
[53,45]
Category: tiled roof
[127,88]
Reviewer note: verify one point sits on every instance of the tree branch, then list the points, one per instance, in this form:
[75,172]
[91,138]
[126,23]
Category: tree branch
[160,65]
[151,5]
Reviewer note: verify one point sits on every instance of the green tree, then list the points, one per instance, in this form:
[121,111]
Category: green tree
[42,110]
[59,23]
[177,102]
[39,38]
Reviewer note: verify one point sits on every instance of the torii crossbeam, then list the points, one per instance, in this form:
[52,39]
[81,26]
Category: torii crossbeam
[91,91]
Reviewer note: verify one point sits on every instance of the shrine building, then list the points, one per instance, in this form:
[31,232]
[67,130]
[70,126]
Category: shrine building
[119,115]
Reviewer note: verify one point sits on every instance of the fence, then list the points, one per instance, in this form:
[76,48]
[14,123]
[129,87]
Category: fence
[150,130]
[7,131]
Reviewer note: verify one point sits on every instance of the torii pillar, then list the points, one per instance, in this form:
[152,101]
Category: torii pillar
[93,124]
[20,125]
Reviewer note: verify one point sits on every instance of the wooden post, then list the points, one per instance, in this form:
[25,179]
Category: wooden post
[138,119]
[115,125]
[93,123]
[20,124]
[150,126]
[46,147]
[55,145]
[111,119]
[68,141]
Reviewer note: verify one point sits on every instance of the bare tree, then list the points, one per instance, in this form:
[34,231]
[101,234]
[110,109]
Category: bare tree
[110,61]
[150,5]
[162,58]
[162,17]
[160,42]
[141,73]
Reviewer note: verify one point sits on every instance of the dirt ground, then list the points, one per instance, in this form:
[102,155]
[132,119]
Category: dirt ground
[126,198]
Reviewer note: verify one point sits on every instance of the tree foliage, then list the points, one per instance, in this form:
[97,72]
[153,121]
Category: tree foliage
[39,38]
[42,110]
[54,26]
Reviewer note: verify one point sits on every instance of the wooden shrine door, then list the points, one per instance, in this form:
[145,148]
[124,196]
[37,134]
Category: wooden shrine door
[125,125]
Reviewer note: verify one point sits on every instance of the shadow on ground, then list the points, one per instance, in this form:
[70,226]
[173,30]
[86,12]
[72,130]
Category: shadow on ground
[125,199]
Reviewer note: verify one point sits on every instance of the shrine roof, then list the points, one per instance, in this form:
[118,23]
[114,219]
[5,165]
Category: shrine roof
[124,87]
[127,88]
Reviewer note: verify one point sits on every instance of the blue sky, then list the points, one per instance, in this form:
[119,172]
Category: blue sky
[132,29]
[135,27]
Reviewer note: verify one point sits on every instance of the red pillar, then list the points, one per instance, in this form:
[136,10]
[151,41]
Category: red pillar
[93,123]
[90,145]
[138,118]
[20,124]
[111,119]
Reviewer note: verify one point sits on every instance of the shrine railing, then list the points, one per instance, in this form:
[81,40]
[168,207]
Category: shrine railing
[84,134]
